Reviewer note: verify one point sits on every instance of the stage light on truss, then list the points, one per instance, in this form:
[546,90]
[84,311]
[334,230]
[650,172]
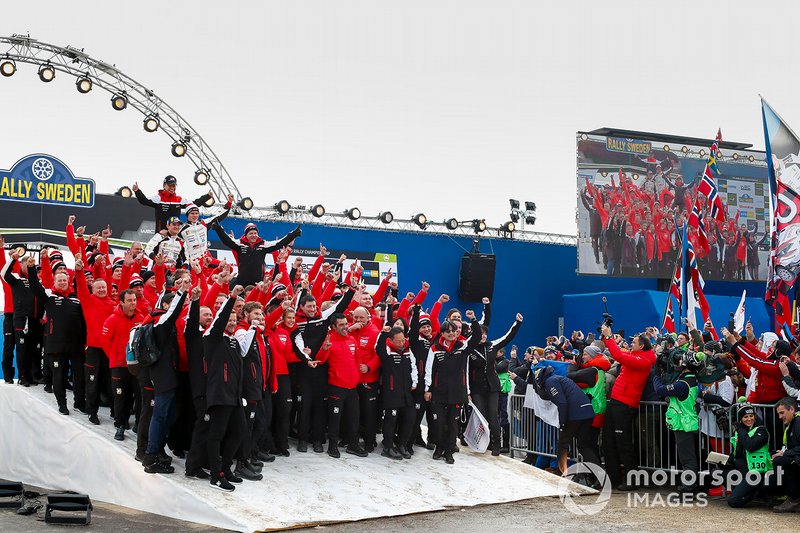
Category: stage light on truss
[604,173]
[318,210]
[151,123]
[666,148]
[83,84]
[530,206]
[530,219]
[636,177]
[353,213]
[735,156]
[508,227]
[751,158]
[119,101]
[420,220]
[685,149]
[386,217]
[210,202]
[47,73]
[479,225]
[515,215]
[584,137]
[451,224]
[124,191]
[514,203]
[246,203]
[178,149]
[8,67]
[201,177]
[283,207]
[702,153]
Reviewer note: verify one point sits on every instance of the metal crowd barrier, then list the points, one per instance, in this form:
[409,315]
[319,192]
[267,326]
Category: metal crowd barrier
[655,443]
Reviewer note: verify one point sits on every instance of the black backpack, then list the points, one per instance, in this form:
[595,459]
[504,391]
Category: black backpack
[143,345]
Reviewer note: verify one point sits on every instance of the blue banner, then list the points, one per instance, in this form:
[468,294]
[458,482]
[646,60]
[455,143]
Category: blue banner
[43,179]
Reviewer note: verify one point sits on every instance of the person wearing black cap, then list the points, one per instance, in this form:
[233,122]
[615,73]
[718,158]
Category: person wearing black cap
[251,250]
[400,378]
[170,245]
[166,203]
[681,415]
[749,452]
[575,414]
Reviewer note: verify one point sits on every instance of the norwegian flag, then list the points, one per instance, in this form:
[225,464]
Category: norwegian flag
[696,283]
[696,222]
[708,189]
[669,319]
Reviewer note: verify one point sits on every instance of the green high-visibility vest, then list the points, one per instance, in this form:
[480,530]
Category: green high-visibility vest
[681,414]
[757,461]
[505,382]
[597,393]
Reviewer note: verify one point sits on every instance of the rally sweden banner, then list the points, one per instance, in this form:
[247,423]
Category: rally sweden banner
[43,179]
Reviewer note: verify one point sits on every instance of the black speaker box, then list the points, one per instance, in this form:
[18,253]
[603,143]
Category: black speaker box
[477,277]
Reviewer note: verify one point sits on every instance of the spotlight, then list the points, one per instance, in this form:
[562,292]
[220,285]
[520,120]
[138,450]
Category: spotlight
[283,207]
[210,202]
[636,176]
[702,153]
[47,73]
[353,213]
[515,215]
[751,158]
[420,220]
[83,84]
[201,177]
[735,157]
[125,192]
[178,149]
[604,173]
[119,101]
[684,149]
[530,206]
[8,67]
[508,227]
[246,203]
[451,224]
[666,148]
[479,225]
[514,203]
[151,123]
[318,210]
[530,219]
[584,137]
[386,217]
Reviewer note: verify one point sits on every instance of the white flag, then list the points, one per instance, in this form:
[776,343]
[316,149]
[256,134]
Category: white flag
[738,316]
[691,305]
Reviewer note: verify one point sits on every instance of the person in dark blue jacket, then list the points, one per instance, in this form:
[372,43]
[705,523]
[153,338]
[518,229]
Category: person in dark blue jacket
[575,414]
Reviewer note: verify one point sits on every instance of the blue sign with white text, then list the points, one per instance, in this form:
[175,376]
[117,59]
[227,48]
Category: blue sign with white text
[44,179]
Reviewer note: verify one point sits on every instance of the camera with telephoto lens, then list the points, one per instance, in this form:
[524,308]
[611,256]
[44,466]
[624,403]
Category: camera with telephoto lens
[608,320]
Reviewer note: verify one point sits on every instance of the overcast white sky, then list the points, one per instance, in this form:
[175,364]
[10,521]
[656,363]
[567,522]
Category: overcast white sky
[445,107]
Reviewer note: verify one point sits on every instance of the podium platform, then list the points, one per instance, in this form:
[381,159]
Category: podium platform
[44,448]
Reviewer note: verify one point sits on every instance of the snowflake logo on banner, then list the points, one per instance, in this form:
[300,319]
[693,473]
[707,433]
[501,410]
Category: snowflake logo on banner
[42,168]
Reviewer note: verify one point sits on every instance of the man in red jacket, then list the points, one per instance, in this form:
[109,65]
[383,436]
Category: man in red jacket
[339,350]
[365,333]
[116,333]
[622,408]
[97,307]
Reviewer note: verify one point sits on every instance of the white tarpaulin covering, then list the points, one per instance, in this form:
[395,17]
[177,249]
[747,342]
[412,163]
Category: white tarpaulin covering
[43,448]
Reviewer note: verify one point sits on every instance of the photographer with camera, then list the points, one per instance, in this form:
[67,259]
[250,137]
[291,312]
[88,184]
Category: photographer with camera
[681,416]
[622,409]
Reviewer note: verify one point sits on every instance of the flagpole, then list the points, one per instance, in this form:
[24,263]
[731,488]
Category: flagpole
[684,300]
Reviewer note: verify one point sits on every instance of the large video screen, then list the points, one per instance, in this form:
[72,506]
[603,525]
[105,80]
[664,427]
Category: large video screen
[632,193]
